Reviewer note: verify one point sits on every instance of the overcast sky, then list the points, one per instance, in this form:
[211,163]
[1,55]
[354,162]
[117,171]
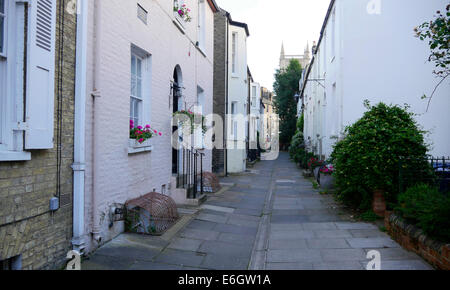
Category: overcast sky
[270,22]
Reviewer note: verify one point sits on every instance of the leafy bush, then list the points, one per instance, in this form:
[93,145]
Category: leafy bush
[297,148]
[368,157]
[429,209]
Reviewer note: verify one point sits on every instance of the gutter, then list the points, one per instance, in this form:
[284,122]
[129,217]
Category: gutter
[79,164]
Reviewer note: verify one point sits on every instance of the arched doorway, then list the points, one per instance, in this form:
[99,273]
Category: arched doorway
[177,104]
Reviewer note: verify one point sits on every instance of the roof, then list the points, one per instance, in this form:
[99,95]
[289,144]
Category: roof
[324,25]
[212,3]
[235,23]
[241,24]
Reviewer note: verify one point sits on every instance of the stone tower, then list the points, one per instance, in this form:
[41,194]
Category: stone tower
[303,59]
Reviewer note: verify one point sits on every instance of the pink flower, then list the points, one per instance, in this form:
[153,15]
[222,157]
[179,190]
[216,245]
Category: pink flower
[141,140]
[156,132]
[139,127]
[160,134]
[148,126]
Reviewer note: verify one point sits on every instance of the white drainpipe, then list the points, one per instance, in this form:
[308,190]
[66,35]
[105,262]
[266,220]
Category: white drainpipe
[80,121]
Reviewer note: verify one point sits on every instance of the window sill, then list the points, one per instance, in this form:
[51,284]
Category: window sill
[201,50]
[178,23]
[135,147]
[332,59]
[15,156]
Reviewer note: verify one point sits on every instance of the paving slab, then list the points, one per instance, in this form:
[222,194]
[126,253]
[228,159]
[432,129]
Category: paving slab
[327,244]
[226,249]
[199,234]
[215,218]
[290,266]
[374,243]
[177,257]
[275,244]
[339,255]
[290,256]
[185,244]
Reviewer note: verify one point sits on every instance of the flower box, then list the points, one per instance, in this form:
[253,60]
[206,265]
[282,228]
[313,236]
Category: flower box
[135,147]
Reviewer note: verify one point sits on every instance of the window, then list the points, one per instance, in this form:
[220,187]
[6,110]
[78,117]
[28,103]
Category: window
[234,127]
[254,96]
[234,53]
[2,27]
[201,24]
[140,90]
[142,13]
[199,137]
[333,34]
[136,90]
[27,77]
[14,263]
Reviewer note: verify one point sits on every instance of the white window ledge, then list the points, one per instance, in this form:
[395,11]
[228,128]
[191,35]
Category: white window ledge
[135,147]
[201,50]
[178,23]
[15,156]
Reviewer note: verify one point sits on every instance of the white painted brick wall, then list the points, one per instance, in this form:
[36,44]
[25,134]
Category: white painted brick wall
[121,176]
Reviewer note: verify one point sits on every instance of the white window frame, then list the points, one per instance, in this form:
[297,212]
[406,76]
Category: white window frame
[12,125]
[134,97]
[198,134]
[145,99]
[254,95]
[333,35]
[234,56]
[4,39]
[234,123]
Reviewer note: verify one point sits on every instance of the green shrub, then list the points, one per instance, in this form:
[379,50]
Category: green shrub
[429,209]
[368,157]
[369,216]
[297,148]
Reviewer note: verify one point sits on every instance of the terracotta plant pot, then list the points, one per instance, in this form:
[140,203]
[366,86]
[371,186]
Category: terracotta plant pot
[379,203]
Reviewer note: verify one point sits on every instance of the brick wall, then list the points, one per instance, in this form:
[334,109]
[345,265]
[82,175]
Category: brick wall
[219,100]
[413,239]
[26,228]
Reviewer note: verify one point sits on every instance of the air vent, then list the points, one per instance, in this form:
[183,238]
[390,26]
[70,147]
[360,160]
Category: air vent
[142,14]
[44,24]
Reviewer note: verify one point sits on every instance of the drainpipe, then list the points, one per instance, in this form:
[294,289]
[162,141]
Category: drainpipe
[79,165]
[95,111]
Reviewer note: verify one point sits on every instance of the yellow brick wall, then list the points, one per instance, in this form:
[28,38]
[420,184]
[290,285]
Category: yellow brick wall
[26,187]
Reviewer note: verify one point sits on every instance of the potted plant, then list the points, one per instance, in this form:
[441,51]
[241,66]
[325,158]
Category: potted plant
[314,165]
[326,176]
[193,120]
[182,11]
[140,136]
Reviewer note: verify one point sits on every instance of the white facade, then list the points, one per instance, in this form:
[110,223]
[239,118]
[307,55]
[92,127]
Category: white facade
[368,52]
[255,111]
[238,87]
[148,53]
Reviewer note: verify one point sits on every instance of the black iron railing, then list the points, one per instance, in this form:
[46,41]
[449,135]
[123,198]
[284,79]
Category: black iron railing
[431,170]
[190,176]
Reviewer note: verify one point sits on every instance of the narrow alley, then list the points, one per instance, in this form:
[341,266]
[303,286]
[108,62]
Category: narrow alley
[270,218]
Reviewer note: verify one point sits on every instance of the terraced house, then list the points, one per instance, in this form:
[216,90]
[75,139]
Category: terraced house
[37,88]
[147,60]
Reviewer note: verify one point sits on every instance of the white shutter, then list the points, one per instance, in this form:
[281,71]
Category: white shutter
[40,97]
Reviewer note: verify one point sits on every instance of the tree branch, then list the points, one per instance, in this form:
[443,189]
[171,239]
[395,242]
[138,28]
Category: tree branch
[434,91]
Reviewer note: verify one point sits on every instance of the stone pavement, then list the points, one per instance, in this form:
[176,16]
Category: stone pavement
[270,218]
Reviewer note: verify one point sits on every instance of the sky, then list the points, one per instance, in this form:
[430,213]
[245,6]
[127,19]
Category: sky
[271,22]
